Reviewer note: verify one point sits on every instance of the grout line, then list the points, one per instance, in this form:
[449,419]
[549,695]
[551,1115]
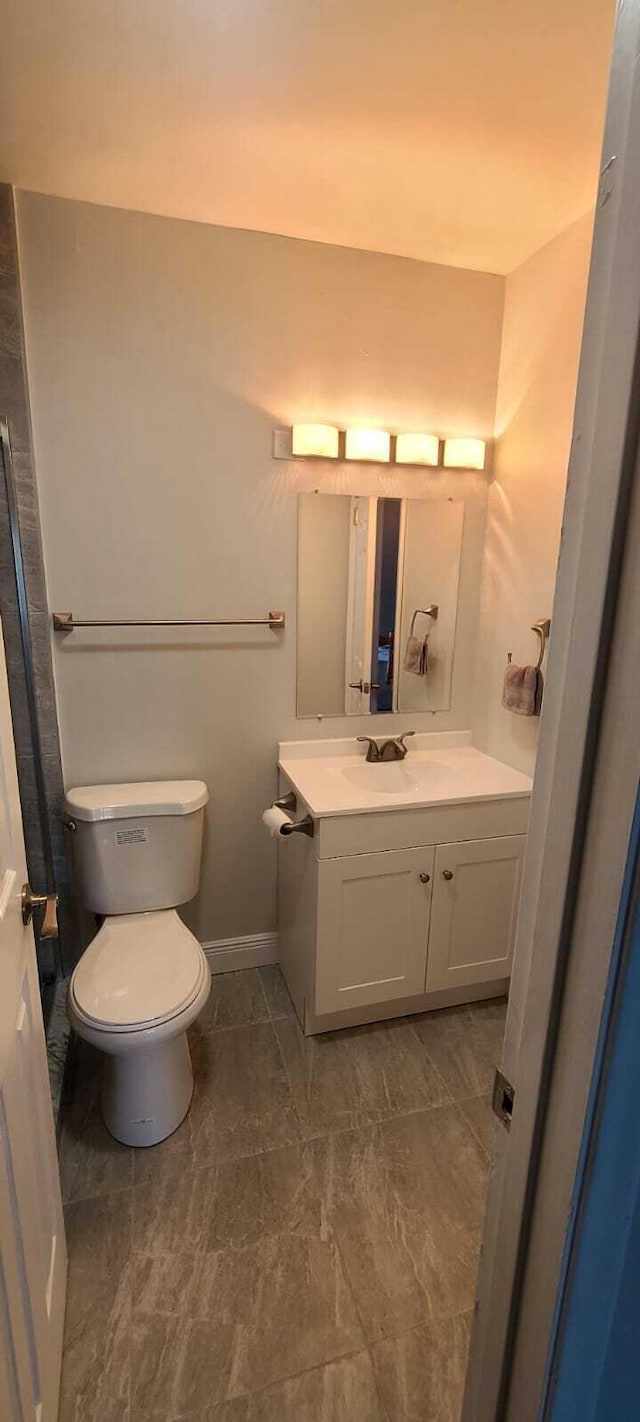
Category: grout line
[269,1387]
[305,1140]
[472,1129]
[274,1016]
[384,1413]
[96,1194]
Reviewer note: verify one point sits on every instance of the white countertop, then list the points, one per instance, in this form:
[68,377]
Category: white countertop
[334,777]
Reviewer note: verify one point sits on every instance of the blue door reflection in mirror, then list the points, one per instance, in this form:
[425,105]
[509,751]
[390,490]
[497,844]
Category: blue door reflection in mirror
[385,603]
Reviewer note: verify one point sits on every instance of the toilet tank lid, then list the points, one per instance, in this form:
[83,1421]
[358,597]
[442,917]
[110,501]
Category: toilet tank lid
[136,800]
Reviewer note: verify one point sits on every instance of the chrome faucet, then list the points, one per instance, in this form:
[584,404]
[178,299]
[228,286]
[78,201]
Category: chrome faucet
[393,749]
[373,749]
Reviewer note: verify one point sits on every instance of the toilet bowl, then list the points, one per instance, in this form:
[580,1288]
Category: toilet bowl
[135,992]
[144,978]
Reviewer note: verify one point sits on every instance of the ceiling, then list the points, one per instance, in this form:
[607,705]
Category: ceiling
[465,132]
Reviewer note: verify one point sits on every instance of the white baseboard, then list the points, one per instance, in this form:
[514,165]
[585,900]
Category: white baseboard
[226,955]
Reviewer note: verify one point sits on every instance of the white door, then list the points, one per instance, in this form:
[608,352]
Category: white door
[373,924]
[476,891]
[32,1245]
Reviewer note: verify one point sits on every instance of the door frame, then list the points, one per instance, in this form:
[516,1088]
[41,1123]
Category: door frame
[582,804]
[362,548]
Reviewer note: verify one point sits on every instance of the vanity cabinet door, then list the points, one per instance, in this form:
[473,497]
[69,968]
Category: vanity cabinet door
[373,925]
[476,890]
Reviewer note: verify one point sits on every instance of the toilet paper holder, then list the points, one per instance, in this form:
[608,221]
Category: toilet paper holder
[289,804]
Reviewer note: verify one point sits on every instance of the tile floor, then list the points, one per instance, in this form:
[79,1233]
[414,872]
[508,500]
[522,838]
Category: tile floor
[305,1246]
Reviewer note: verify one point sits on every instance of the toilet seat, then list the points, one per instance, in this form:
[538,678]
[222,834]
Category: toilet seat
[141,970]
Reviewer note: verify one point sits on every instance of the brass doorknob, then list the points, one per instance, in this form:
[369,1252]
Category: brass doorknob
[447,873]
[49,902]
[425,878]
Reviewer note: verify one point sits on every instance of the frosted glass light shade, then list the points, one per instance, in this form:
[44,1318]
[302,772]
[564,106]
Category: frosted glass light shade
[464,453]
[368,445]
[417,449]
[319,440]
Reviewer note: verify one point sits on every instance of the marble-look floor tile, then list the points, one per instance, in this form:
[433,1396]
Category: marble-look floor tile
[98,1232]
[342,1080]
[96,1370]
[344,1391]
[172,1215]
[91,1161]
[242,1102]
[406,1202]
[478,1111]
[252,1317]
[161,1284]
[277,1192]
[275,990]
[231,1205]
[85,1076]
[236,1000]
[237,1410]
[464,1044]
[421,1374]
[170,1158]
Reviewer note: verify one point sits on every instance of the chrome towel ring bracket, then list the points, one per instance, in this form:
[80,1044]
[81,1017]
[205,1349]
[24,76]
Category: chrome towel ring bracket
[542,628]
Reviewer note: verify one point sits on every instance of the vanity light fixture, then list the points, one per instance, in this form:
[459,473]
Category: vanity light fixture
[418,449]
[368,445]
[464,453]
[321,441]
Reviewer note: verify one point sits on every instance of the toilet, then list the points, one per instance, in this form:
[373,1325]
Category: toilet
[144,978]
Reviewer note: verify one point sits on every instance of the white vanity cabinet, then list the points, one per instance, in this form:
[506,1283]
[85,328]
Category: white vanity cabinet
[368,931]
[373,924]
[474,907]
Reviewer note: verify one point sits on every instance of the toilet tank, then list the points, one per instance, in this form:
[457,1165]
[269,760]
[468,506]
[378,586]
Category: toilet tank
[137,847]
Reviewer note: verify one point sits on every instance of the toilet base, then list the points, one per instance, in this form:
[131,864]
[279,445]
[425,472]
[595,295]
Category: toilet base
[146,1093]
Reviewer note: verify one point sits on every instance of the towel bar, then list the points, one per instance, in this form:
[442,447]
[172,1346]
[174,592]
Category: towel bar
[66,622]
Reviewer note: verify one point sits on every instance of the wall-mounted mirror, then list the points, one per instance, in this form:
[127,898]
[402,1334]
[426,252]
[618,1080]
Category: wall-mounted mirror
[377,603]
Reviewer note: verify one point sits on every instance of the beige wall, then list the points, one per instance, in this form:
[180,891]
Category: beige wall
[161,355]
[324,525]
[543,315]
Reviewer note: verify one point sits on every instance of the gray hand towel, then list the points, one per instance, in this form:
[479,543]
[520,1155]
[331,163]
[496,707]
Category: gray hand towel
[522,690]
[416,657]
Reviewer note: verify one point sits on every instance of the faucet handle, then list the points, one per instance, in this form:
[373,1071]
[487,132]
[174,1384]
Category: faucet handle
[373,753]
[401,739]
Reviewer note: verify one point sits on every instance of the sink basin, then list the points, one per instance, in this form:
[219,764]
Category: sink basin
[334,778]
[381,778]
[396,777]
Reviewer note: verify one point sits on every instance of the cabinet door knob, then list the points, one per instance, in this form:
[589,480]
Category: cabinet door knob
[425,878]
[447,873]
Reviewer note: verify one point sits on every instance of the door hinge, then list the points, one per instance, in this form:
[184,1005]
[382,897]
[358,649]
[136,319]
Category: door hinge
[607,181]
[503,1098]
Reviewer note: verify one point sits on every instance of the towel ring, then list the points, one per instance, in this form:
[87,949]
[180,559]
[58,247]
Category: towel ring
[431,611]
[542,628]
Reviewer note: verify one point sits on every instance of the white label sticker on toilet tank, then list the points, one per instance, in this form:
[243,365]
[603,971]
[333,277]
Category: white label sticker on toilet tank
[137,835]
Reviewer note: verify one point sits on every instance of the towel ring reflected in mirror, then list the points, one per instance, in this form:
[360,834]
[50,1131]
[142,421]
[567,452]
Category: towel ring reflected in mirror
[430,611]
